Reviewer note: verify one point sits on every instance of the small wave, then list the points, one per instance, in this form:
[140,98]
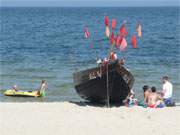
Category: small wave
[168,38]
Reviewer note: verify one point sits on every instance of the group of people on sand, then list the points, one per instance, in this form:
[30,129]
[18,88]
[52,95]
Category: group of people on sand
[152,98]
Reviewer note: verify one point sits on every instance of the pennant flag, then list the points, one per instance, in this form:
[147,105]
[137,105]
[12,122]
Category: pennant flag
[123,31]
[123,44]
[133,41]
[113,23]
[112,40]
[106,21]
[138,29]
[86,32]
[107,32]
[118,41]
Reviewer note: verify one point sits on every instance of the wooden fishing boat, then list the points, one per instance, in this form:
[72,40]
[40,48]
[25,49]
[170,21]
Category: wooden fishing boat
[110,82]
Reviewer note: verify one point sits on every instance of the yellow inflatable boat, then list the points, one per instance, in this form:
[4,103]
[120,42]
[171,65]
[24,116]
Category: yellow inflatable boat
[20,93]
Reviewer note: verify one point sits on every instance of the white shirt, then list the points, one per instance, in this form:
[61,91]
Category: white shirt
[167,90]
[115,56]
[99,61]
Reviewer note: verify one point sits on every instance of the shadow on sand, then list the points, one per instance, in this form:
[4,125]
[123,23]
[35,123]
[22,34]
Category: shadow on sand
[94,104]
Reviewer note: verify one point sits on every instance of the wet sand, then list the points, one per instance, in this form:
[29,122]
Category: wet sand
[64,118]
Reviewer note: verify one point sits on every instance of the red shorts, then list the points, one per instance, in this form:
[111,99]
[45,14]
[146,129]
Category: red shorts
[152,106]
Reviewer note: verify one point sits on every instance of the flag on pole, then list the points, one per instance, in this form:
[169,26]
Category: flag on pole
[113,24]
[123,32]
[138,29]
[106,21]
[86,32]
[133,41]
[123,44]
[118,40]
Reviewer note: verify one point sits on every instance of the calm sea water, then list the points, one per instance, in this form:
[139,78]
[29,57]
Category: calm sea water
[48,43]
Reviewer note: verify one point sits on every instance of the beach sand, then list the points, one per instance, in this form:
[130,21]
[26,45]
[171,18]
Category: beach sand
[66,118]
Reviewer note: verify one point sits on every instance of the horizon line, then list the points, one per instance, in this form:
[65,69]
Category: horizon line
[88,6]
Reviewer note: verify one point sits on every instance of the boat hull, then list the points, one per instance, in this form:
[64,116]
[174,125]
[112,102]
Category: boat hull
[95,89]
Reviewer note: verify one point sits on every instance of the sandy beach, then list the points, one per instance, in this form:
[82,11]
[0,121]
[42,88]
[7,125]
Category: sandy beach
[73,119]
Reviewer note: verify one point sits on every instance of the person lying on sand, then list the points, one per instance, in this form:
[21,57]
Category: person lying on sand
[154,99]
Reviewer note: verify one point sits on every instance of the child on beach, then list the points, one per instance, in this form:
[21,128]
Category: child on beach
[130,100]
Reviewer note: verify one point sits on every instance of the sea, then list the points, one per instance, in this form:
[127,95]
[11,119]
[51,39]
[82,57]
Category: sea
[48,43]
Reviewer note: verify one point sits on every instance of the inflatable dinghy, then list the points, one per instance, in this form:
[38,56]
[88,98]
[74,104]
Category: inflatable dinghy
[20,93]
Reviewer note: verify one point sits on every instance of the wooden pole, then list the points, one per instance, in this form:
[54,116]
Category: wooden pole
[107,74]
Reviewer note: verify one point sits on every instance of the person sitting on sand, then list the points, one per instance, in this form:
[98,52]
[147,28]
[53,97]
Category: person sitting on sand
[167,91]
[154,100]
[130,99]
[41,90]
[147,92]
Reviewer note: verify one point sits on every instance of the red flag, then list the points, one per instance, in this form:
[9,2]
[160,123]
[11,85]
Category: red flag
[113,23]
[123,44]
[112,40]
[133,41]
[118,40]
[86,32]
[106,20]
[123,31]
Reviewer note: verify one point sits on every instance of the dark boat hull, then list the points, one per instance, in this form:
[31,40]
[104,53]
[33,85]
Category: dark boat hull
[120,81]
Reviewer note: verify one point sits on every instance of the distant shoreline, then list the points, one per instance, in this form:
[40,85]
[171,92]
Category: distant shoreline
[89,6]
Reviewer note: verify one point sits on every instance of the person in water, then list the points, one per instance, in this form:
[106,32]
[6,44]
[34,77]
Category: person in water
[154,99]
[15,88]
[167,91]
[147,92]
[41,90]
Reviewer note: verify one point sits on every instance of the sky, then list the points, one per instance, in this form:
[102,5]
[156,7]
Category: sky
[88,3]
